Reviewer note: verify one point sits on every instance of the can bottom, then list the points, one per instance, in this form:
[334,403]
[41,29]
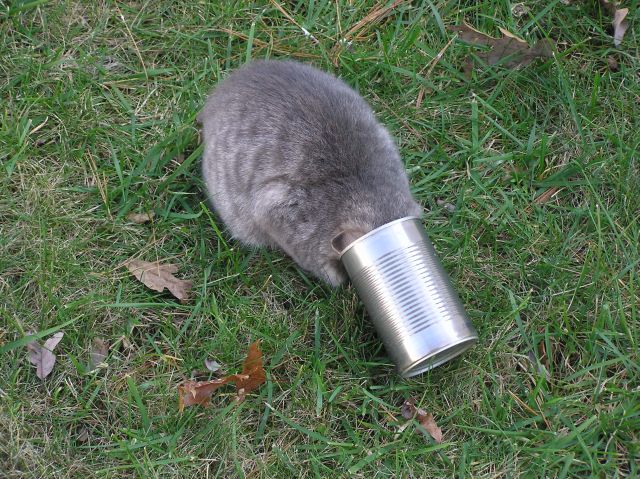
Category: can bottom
[438,357]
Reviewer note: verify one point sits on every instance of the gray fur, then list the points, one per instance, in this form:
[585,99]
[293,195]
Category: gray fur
[295,159]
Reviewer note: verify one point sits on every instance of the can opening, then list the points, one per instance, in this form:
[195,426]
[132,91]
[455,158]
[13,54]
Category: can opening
[437,358]
[364,237]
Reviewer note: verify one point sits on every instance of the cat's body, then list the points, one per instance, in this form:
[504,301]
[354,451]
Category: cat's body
[296,159]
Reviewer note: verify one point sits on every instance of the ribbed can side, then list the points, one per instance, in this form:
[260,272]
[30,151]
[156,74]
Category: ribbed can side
[410,298]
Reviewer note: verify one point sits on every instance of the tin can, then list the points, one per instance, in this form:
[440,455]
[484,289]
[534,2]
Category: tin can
[409,296]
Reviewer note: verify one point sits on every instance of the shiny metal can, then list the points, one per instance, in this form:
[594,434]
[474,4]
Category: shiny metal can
[409,296]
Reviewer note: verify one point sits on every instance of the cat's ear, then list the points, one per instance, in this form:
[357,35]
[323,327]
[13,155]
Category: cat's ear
[343,239]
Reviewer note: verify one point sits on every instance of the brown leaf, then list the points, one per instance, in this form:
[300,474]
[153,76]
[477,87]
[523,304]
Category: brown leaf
[619,23]
[42,355]
[252,368]
[140,218]
[83,435]
[199,392]
[425,419]
[470,35]
[99,352]
[252,377]
[160,276]
[509,51]
[613,63]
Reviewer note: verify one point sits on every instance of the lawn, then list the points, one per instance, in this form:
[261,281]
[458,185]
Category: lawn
[530,182]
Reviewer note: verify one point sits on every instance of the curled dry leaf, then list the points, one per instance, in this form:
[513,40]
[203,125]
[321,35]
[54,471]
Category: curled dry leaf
[140,218]
[42,355]
[99,352]
[425,419]
[618,21]
[251,378]
[613,63]
[83,435]
[620,25]
[199,392]
[212,365]
[160,276]
[510,51]
[252,371]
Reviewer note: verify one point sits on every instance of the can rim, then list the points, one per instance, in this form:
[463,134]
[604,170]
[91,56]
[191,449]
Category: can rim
[374,231]
[438,357]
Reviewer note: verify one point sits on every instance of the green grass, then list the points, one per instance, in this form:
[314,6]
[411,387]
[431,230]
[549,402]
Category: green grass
[97,111]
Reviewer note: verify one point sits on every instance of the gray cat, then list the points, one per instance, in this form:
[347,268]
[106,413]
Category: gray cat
[295,159]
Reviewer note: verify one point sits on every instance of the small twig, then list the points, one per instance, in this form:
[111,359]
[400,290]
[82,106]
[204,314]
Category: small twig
[431,65]
[543,198]
[292,20]
[546,196]
[135,45]
[263,44]
[376,14]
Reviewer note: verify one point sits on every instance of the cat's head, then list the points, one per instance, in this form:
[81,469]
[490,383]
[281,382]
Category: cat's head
[345,237]
[369,215]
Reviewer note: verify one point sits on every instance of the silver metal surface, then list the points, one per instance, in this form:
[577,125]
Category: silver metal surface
[409,296]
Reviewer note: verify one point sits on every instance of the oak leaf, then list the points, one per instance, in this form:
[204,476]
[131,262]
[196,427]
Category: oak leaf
[252,377]
[158,276]
[509,51]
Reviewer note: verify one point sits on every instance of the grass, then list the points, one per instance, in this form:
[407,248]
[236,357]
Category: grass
[97,121]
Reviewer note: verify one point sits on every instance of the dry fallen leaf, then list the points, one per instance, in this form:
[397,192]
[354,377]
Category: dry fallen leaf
[83,435]
[160,276]
[252,371]
[212,365]
[42,355]
[425,419]
[619,23]
[519,9]
[199,392]
[252,377]
[509,51]
[451,208]
[140,218]
[99,352]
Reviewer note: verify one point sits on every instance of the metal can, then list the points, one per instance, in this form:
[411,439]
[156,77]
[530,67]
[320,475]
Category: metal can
[409,296]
